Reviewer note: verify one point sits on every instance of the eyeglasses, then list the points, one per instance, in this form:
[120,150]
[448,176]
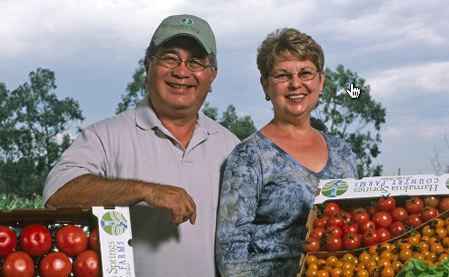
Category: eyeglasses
[306,74]
[173,61]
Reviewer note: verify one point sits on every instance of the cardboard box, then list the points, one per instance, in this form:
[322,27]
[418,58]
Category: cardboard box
[114,231]
[359,192]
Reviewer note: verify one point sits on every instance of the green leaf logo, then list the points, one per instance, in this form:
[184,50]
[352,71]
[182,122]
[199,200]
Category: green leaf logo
[186,21]
[114,223]
[334,188]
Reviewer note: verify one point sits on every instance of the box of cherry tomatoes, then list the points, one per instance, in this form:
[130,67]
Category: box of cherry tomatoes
[66,242]
[373,226]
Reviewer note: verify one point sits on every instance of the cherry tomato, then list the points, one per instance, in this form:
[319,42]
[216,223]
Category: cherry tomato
[319,222]
[386,203]
[334,243]
[382,219]
[414,220]
[444,204]
[352,241]
[382,234]
[414,205]
[397,228]
[8,240]
[71,240]
[18,264]
[334,231]
[359,216]
[317,233]
[351,228]
[399,214]
[428,213]
[344,215]
[331,208]
[431,201]
[87,264]
[55,264]
[311,245]
[335,221]
[368,225]
[35,239]
[369,238]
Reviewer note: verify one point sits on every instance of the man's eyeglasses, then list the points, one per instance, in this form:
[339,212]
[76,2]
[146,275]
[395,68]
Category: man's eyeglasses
[173,61]
[306,74]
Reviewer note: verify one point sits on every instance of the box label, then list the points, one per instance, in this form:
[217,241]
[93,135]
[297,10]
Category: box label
[115,236]
[335,189]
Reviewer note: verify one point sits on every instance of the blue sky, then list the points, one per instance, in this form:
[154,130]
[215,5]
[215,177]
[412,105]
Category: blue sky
[401,48]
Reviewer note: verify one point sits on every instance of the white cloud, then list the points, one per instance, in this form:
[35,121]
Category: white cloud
[427,79]
[407,127]
[42,26]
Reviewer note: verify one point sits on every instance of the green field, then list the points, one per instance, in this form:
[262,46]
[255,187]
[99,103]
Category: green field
[12,201]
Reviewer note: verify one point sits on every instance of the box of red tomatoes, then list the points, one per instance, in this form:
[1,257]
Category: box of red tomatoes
[376,216]
[66,242]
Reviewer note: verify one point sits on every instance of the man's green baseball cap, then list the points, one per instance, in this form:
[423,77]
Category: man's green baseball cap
[186,25]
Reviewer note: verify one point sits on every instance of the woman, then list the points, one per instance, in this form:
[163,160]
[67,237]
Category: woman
[270,179]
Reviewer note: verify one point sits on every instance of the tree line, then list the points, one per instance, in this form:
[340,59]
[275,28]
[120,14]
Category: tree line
[35,124]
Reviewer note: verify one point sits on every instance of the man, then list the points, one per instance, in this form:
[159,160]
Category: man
[165,156]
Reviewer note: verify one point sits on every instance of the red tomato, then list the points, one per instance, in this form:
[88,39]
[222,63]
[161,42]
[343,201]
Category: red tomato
[18,264]
[428,213]
[335,221]
[431,201]
[382,219]
[319,222]
[368,225]
[94,240]
[372,209]
[311,245]
[351,228]
[414,220]
[55,264]
[344,215]
[334,243]
[386,203]
[8,240]
[397,228]
[87,264]
[331,208]
[317,233]
[35,239]
[399,214]
[71,240]
[382,235]
[352,241]
[444,204]
[360,216]
[369,238]
[414,205]
[334,231]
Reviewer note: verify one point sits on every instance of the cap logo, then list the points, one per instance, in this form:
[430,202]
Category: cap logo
[186,21]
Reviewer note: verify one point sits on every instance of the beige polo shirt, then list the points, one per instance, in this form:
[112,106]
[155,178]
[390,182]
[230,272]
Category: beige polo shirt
[135,145]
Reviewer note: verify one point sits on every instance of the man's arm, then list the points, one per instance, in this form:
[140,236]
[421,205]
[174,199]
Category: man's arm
[90,190]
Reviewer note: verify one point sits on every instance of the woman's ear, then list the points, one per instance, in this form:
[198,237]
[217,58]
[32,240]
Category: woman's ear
[322,78]
[264,83]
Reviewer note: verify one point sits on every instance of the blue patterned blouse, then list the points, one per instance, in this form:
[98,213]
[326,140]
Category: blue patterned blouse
[265,198]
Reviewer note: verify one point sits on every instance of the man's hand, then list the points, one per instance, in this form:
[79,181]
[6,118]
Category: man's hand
[175,199]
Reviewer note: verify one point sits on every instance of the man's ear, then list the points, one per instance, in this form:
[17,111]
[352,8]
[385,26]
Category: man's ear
[213,74]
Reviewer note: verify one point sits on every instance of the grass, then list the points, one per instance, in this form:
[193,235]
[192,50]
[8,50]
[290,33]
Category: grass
[12,201]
